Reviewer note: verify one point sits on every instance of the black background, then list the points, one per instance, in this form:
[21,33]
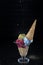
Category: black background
[17,17]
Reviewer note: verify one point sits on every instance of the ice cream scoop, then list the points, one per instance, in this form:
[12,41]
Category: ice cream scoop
[21,36]
[27,42]
[20,43]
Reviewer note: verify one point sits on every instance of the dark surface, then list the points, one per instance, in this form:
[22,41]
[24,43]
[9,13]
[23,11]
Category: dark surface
[17,17]
[10,55]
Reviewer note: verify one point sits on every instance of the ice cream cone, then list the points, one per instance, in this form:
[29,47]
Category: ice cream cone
[30,33]
[23,51]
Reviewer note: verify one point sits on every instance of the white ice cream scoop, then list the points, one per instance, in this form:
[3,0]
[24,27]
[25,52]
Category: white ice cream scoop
[27,42]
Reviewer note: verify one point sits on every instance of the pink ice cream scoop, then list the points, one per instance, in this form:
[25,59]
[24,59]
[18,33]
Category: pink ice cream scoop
[20,43]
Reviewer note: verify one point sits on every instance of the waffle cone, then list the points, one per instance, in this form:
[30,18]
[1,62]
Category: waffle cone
[30,33]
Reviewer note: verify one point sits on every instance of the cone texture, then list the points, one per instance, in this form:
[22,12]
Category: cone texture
[30,33]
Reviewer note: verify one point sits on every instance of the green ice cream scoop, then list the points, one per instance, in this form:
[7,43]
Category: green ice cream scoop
[21,36]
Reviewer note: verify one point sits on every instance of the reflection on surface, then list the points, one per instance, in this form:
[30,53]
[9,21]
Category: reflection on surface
[34,57]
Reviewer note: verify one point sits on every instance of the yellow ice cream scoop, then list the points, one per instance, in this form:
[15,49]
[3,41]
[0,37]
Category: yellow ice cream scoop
[21,36]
